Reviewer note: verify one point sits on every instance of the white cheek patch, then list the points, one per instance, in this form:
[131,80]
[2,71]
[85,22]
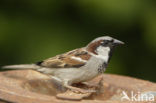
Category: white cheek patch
[103,52]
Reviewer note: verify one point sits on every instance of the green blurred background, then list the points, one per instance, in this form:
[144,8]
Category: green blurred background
[32,30]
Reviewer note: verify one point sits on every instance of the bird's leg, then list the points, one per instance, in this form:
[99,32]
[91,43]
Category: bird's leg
[96,84]
[75,89]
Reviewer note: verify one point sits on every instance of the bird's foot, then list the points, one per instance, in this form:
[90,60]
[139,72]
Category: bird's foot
[78,90]
[83,91]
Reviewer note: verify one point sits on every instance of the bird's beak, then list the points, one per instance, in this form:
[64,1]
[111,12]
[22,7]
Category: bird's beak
[118,42]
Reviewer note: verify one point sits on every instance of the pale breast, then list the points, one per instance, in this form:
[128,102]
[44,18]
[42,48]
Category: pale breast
[93,68]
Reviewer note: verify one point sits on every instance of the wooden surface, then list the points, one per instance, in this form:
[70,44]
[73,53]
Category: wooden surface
[27,86]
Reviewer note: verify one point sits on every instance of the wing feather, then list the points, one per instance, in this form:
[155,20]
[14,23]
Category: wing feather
[66,61]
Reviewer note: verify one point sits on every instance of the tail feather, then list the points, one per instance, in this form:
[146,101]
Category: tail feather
[21,66]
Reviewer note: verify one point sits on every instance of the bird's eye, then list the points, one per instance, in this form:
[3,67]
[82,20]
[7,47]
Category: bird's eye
[106,41]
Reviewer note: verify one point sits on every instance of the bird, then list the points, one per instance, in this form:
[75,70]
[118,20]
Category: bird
[78,65]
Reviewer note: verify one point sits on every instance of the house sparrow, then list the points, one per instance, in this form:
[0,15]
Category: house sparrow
[78,65]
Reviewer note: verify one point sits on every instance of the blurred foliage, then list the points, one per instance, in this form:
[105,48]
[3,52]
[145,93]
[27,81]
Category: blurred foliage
[32,30]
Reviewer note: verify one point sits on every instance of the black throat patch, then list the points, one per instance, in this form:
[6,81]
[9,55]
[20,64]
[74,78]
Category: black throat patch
[102,68]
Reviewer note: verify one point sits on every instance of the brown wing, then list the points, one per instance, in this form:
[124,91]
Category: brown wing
[66,61]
